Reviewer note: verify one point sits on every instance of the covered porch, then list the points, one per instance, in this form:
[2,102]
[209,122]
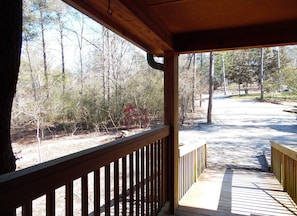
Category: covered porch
[148,174]
[130,177]
[236,192]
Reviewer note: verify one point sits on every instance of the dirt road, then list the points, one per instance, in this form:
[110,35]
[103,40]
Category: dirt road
[241,131]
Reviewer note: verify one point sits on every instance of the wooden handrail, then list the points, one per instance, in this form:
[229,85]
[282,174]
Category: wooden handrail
[283,165]
[290,152]
[20,187]
[192,162]
[185,149]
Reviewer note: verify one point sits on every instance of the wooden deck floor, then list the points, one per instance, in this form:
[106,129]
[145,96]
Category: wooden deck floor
[236,192]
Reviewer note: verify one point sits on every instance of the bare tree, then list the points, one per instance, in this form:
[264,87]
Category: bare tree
[194,83]
[185,89]
[44,50]
[103,71]
[33,80]
[107,80]
[61,30]
[80,40]
[262,75]
[224,74]
[29,34]
[211,87]
[40,7]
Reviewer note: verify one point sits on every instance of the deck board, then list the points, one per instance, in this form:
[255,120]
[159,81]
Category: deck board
[236,192]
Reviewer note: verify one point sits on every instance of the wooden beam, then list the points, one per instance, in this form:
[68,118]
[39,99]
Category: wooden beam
[150,19]
[128,20]
[171,119]
[284,33]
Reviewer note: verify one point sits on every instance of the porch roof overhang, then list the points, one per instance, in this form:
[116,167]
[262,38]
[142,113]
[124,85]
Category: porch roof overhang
[196,25]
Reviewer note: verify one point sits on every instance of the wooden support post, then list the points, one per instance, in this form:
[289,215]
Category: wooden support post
[171,119]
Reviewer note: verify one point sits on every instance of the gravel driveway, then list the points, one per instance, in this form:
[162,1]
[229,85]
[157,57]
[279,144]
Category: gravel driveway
[241,131]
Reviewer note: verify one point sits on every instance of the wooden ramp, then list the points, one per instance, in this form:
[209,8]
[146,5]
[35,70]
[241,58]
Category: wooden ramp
[236,192]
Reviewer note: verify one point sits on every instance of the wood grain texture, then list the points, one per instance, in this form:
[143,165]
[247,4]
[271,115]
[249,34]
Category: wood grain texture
[184,26]
[235,192]
[284,166]
[17,188]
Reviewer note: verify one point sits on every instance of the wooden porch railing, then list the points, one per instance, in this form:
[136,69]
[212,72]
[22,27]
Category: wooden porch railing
[284,167]
[124,177]
[192,161]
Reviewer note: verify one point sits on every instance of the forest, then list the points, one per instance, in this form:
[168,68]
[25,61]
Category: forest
[77,76]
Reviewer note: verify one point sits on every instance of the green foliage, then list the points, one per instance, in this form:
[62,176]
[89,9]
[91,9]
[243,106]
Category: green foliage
[243,67]
[289,79]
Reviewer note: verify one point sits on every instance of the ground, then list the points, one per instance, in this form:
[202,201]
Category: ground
[242,130]
[240,134]
[30,154]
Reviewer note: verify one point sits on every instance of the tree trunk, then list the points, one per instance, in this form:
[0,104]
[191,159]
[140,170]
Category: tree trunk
[80,42]
[278,70]
[108,68]
[239,81]
[61,32]
[11,42]
[103,71]
[211,75]
[200,80]
[194,84]
[42,20]
[262,75]
[38,138]
[34,88]
[224,75]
